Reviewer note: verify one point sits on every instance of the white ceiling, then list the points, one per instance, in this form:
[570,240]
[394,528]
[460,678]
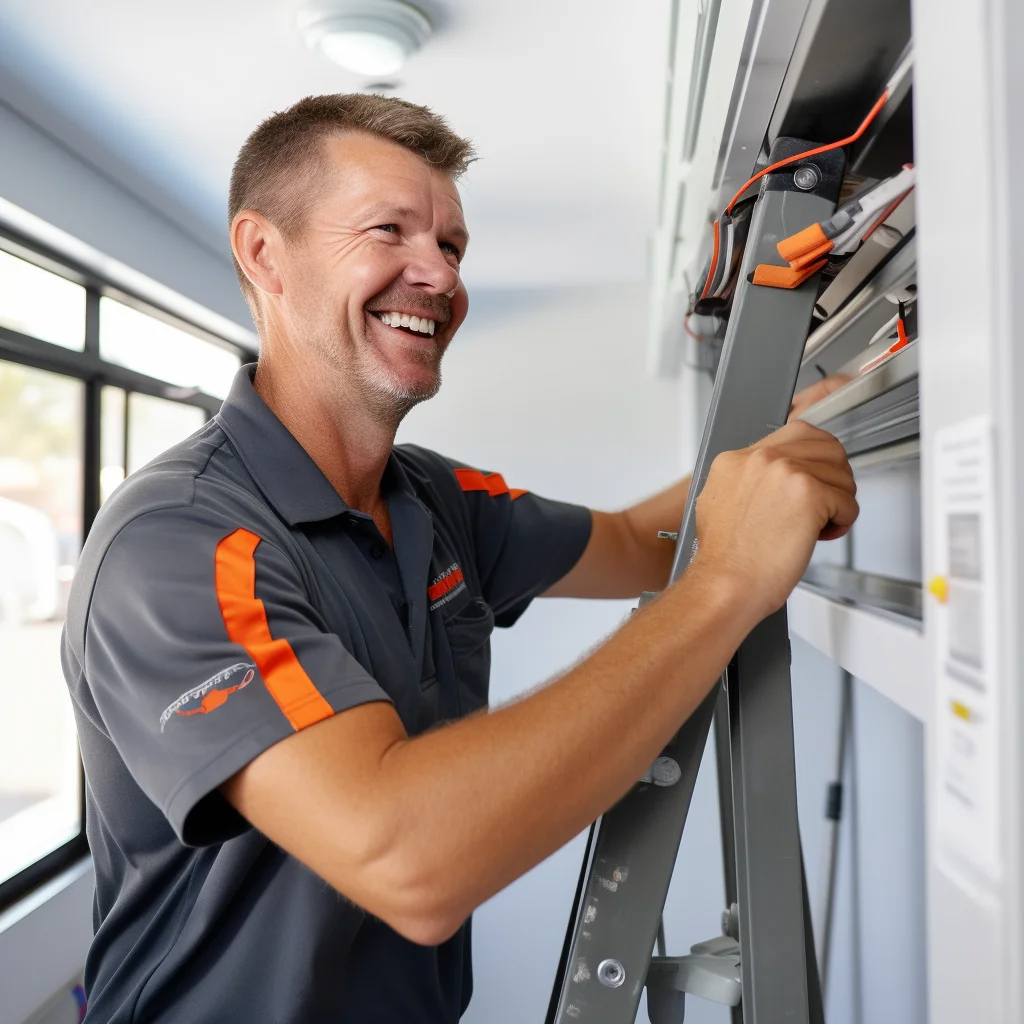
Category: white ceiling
[563,99]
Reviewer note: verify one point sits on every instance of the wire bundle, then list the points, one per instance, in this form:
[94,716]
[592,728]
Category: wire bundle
[729,230]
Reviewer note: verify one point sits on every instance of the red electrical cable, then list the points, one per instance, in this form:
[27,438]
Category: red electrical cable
[865,124]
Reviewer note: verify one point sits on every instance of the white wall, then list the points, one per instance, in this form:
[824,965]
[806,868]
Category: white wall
[551,391]
[51,168]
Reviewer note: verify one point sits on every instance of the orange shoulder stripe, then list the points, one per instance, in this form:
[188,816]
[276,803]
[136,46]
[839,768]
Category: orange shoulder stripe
[245,618]
[493,483]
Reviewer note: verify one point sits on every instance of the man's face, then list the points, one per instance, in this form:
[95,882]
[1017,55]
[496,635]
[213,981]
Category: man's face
[372,285]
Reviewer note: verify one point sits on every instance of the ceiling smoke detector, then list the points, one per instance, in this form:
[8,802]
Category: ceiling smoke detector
[369,37]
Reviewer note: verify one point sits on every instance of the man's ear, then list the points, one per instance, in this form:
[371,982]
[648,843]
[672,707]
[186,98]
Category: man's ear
[257,245]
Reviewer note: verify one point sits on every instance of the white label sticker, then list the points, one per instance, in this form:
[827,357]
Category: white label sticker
[963,621]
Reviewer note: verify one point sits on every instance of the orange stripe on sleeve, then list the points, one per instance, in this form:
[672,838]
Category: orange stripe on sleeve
[471,480]
[493,483]
[496,485]
[245,618]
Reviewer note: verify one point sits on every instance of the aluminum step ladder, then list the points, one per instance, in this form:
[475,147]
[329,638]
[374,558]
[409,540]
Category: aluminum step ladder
[764,963]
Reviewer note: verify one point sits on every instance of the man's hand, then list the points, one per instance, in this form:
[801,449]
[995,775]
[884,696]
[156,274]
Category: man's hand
[625,555]
[763,509]
[803,400]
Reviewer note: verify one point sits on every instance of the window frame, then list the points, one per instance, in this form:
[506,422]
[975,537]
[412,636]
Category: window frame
[95,373]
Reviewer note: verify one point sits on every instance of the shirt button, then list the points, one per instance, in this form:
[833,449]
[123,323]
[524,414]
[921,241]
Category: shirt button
[377,551]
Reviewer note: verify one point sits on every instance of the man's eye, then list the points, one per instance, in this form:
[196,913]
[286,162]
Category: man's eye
[453,249]
[392,228]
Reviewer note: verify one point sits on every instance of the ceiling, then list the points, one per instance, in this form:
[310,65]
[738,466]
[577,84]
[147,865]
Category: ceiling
[563,99]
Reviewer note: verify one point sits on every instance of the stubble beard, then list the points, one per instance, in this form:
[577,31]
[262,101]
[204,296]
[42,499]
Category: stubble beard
[392,397]
[363,373]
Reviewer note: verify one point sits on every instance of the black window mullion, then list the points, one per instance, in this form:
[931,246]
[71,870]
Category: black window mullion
[125,428]
[92,321]
[85,365]
[93,418]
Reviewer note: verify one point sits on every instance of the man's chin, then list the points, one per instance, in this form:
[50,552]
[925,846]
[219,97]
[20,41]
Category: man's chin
[399,391]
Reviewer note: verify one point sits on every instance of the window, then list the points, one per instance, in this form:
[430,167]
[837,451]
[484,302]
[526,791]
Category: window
[91,389]
[35,302]
[40,537]
[154,424]
[136,429]
[155,348]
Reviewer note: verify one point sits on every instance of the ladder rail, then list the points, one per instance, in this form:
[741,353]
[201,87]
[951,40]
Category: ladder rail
[635,844]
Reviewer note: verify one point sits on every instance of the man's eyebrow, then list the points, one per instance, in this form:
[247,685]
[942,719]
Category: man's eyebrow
[383,212]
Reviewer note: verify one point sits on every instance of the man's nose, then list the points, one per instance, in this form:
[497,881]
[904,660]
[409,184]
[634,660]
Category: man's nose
[430,268]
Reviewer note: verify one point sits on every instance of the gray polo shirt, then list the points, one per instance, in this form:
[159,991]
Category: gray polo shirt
[226,598]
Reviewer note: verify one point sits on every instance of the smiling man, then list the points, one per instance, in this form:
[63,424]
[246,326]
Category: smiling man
[269,620]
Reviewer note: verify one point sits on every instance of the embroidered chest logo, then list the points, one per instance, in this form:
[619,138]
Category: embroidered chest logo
[446,586]
[209,696]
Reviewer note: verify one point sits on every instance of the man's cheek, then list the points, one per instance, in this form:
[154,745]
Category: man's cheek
[459,308]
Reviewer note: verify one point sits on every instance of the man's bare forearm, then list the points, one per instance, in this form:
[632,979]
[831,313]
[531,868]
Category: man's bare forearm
[421,831]
[625,557]
[462,811]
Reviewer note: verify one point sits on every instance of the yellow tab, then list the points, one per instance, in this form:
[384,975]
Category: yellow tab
[961,710]
[938,587]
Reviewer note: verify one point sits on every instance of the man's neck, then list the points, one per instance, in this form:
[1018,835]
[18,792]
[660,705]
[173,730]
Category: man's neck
[349,443]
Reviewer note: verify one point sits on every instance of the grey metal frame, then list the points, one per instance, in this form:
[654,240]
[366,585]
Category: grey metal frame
[633,848]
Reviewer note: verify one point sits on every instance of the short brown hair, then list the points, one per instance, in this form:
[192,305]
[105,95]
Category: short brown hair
[277,168]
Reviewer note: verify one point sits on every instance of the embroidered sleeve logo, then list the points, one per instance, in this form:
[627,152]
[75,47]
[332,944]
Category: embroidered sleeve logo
[209,696]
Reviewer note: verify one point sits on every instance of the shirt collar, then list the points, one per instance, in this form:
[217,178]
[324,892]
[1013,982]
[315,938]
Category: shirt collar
[283,470]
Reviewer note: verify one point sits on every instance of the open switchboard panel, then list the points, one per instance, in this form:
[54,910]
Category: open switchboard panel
[924,603]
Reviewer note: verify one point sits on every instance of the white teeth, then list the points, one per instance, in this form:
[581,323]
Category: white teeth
[420,324]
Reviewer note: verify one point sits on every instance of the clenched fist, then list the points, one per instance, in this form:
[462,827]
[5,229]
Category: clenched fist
[763,509]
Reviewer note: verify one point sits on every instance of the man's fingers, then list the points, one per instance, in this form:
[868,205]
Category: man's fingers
[827,451]
[797,430]
[816,392]
[827,474]
[842,510]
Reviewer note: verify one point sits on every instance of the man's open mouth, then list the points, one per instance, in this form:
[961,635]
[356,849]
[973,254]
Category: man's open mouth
[407,322]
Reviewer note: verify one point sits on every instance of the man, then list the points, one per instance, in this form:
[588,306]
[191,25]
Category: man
[269,619]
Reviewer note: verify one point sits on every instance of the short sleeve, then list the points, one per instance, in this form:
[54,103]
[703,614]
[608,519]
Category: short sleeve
[202,650]
[524,543]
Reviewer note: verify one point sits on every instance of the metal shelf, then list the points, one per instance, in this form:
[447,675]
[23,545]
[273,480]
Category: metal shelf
[885,652]
[883,594]
[878,408]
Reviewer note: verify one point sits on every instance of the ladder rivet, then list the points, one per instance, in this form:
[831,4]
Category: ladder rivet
[611,973]
[806,177]
[664,772]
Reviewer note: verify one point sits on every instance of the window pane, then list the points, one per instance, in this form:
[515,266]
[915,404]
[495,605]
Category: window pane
[154,424]
[34,301]
[40,538]
[147,345]
[112,453]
